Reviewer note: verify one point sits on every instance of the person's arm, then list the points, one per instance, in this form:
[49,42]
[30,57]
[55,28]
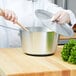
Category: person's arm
[65,16]
[61,15]
[8,15]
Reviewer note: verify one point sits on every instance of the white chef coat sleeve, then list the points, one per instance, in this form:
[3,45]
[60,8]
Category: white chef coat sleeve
[72,17]
[53,8]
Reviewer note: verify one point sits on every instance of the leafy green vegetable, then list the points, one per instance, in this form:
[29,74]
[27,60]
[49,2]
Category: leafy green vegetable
[68,52]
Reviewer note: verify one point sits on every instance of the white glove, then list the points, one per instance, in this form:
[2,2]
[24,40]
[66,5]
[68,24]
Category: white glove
[61,17]
[8,15]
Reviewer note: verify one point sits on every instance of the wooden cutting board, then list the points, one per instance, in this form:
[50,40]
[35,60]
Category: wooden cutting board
[13,62]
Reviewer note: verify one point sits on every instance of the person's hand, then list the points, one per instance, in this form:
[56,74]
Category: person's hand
[8,15]
[61,17]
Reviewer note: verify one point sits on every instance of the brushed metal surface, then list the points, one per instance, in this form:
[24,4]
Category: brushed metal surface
[39,42]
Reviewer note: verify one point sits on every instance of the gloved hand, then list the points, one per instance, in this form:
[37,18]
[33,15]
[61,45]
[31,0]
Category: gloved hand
[8,15]
[61,17]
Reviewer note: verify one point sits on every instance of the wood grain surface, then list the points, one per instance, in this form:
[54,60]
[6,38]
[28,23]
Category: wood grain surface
[66,38]
[13,62]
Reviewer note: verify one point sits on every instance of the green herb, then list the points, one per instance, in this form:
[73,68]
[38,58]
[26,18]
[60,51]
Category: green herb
[68,52]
